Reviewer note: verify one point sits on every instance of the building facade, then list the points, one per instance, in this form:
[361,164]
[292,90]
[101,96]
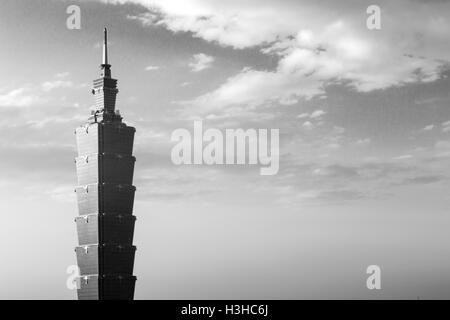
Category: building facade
[105,196]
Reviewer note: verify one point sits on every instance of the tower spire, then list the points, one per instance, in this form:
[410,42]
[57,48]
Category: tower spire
[105,47]
[105,66]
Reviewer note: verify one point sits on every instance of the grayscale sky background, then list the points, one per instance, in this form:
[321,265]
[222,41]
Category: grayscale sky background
[364,119]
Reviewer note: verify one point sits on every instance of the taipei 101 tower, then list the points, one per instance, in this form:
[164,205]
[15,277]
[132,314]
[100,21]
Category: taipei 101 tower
[105,196]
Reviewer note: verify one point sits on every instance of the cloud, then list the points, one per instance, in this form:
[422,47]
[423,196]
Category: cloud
[32,94]
[55,84]
[446,126]
[55,119]
[201,62]
[312,48]
[317,114]
[304,71]
[337,170]
[20,97]
[303,115]
[334,181]
[151,68]
[59,81]
[63,193]
[428,128]
[308,125]
[363,142]
[423,179]
[62,75]
[251,88]
[403,157]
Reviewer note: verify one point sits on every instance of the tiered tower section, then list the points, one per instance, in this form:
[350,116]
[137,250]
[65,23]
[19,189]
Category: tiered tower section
[105,195]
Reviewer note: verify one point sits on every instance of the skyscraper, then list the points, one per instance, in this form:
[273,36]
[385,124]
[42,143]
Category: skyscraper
[105,196]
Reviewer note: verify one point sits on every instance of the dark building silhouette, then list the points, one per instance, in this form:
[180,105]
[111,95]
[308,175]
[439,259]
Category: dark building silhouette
[105,195]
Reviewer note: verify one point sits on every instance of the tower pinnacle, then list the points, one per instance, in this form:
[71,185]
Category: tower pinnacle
[105,47]
[105,90]
[105,66]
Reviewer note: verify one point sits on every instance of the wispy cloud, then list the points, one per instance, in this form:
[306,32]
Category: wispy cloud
[317,114]
[201,62]
[308,125]
[446,126]
[152,68]
[55,84]
[363,142]
[403,157]
[20,97]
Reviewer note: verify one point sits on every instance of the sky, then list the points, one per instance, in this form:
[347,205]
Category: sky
[364,124]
